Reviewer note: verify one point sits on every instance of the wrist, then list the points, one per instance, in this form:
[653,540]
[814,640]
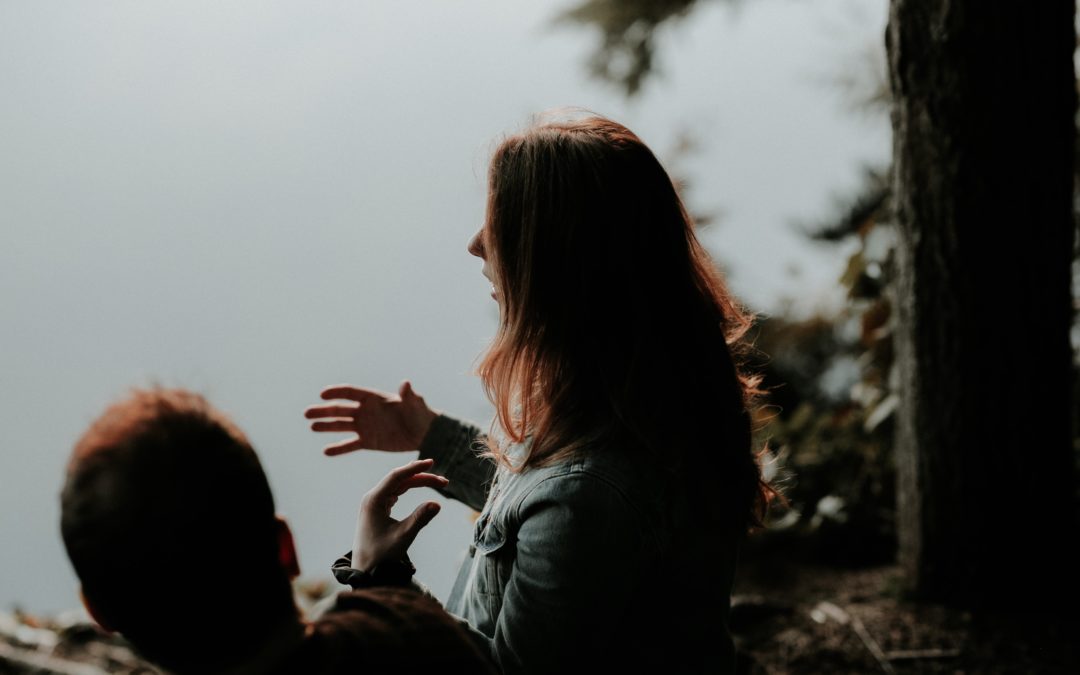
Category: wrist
[386,573]
[361,562]
[424,420]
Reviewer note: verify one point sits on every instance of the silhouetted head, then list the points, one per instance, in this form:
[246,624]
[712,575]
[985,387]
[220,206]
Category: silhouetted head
[169,522]
[614,324]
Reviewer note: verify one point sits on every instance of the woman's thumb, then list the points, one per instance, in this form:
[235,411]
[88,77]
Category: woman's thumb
[406,390]
[418,519]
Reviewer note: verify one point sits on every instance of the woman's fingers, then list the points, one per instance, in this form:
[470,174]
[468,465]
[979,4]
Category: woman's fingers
[351,393]
[390,482]
[416,521]
[383,497]
[378,535]
[331,410]
[389,422]
[430,480]
[406,391]
[399,481]
[344,446]
[334,425]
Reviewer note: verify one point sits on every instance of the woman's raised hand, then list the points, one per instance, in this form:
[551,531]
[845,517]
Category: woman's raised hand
[380,421]
[379,537]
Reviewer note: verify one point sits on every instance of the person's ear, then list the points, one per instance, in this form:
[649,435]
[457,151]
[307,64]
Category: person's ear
[287,557]
[95,613]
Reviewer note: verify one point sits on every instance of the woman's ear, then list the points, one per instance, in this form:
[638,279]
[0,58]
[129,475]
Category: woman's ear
[287,557]
[95,613]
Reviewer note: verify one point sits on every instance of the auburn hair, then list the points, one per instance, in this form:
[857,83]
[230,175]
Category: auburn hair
[159,487]
[616,331]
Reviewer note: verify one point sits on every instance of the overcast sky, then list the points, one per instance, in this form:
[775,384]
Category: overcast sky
[257,199]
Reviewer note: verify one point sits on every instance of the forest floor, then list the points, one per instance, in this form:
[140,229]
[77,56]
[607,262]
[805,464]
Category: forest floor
[790,616]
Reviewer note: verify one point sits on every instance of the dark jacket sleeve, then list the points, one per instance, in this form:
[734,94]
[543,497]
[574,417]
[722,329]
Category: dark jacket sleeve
[398,576]
[456,446]
[391,631]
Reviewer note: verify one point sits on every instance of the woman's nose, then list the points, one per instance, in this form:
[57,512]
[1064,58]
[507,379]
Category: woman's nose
[476,245]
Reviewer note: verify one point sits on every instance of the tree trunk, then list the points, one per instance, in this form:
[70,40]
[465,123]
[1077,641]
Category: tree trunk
[984,124]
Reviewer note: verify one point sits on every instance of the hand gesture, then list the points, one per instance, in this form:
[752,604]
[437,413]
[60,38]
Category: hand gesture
[379,537]
[380,421]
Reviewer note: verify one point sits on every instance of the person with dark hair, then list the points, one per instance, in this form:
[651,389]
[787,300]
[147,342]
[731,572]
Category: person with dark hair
[169,522]
[619,476]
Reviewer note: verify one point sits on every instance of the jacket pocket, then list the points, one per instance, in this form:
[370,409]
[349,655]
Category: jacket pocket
[490,538]
[492,561]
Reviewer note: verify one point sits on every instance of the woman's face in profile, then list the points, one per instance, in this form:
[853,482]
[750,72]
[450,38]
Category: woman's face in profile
[478,248]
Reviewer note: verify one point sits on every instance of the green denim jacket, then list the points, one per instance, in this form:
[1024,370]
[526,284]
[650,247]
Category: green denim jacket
[594,564]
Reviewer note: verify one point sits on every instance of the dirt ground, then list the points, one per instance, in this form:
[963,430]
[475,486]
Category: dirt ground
[787,617]
[791,617]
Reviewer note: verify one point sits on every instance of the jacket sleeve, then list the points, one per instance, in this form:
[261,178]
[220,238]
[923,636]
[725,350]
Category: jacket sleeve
[456,446]
[400,576]
[581,560]
[388,630]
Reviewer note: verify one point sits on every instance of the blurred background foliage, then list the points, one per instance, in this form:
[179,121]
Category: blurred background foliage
[827,419]
[832,397]
[833,391]
[627,46]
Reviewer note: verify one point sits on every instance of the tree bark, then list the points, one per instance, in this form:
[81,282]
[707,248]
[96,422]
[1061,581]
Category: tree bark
[984,123]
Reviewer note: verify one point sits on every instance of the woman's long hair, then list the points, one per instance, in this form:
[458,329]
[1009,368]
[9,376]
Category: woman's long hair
[616,331]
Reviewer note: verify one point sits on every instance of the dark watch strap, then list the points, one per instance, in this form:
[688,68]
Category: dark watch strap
[386,573]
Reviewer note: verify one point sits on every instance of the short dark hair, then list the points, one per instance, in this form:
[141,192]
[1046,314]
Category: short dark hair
[169,522]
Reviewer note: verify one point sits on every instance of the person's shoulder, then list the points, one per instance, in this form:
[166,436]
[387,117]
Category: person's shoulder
[384,603]
[387,610]
[388,629]
[594,475]
[628,471]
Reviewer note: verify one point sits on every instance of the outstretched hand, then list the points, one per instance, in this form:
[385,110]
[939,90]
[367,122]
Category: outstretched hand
[381,421]
[379,537]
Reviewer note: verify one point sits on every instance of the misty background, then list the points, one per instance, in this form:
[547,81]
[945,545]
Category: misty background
[255,200]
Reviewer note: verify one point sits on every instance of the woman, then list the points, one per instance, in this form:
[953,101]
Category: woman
[619,478]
